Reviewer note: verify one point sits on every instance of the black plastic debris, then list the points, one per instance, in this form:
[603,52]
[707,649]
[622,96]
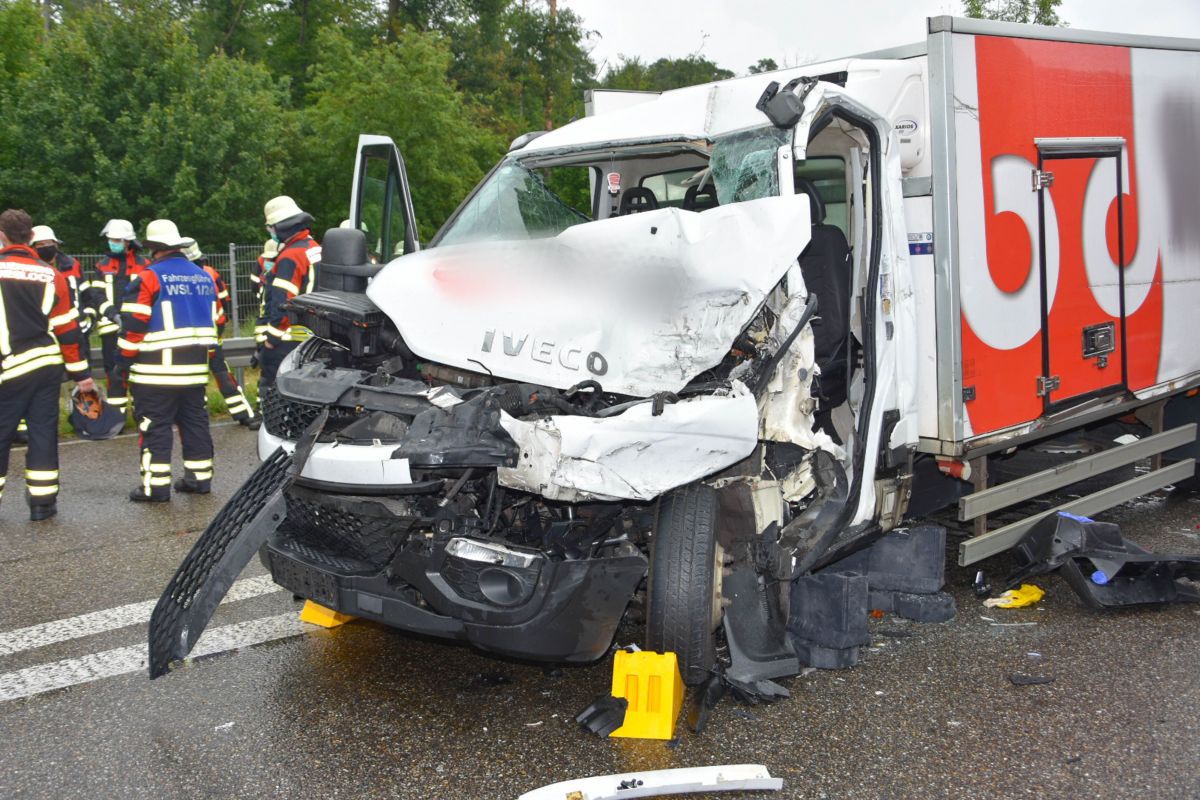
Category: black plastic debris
[719,684]
[1102,567]
[828,619]
[905,571]
[604,715]
[1021,679]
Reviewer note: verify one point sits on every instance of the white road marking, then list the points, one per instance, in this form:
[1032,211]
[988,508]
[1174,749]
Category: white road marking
[61,630]
[124,660]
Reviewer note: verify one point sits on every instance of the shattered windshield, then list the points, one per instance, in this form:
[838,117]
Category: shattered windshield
[513,203]
[744,165]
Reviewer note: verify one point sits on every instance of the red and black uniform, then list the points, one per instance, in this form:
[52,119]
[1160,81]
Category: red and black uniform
[295,273]
[73,270]
[169,327]
[113,274]
[38,335]
[235,400]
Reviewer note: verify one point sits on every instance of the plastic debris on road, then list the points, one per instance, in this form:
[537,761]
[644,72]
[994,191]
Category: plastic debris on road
[1024,595]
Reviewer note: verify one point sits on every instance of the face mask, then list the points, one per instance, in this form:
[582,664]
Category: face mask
[275,236]
[116,247]
[268,264]
[47,253]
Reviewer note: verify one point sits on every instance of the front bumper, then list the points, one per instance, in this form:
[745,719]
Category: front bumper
[544,610]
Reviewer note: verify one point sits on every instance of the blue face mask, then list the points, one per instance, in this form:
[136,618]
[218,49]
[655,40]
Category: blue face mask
[116,247]
[275,236]
[268,264]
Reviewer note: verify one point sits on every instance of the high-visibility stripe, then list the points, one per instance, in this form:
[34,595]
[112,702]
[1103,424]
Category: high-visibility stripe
[168,316]
[190,341]
[203,476]
[30,366]
[41,491]
[160,481]
[280,283]
[5,346]
[41,474]
[3,478]
[170,369]
[168,380]
[48,298]
[276,332]
[180,333]
[144,425]
[204,463]
[160,468]
[63,319]
[25,355]
[224,295]
[76,366]
[136,308]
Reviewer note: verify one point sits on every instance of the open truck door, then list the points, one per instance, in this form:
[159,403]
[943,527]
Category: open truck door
[380,201]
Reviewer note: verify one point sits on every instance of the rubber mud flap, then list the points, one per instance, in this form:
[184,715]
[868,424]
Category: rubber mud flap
[216,559]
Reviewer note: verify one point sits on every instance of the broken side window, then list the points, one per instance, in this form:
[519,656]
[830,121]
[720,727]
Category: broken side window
[744,164]
[515,203]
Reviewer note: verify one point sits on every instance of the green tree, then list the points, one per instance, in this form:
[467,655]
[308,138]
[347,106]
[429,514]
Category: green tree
[663,74]
[121,117]
[1038,12]
[398,89]
[763,65]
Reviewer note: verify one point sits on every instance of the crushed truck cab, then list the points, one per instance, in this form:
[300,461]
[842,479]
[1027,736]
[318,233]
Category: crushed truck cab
[736,329]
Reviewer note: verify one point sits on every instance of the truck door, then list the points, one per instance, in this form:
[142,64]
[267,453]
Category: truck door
[1079,187]
[380,201]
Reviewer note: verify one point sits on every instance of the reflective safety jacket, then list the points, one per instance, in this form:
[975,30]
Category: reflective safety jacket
[38,326]
[73,270]
[169,324]
[107,288]
[295,273]
[261,278]
[222,296]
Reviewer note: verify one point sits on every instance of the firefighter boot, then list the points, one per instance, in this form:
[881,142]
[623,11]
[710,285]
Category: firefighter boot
[43,511]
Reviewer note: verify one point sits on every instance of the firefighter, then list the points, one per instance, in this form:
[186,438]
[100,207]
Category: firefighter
[46,244]
[113,275]
[39,335]
[295,273]
[235,400]
[261,278]
[169,328]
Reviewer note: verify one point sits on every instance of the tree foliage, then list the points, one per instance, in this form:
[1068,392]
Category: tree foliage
[201,110]
[1037,12]
[664,74]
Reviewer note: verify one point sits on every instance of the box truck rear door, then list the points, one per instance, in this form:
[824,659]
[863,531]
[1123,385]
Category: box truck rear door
[1079,187]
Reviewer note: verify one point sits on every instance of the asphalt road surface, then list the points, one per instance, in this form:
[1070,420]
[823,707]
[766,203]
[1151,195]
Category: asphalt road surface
[278,708]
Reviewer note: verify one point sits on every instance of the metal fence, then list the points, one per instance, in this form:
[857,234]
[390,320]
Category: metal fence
[236,263]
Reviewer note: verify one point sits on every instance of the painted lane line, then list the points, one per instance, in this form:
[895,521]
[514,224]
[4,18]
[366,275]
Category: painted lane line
[109,619]
[124,660]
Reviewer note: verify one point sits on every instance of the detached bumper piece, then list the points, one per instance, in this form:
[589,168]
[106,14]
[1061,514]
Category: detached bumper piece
[1102,567]
[662,782]
[215,560]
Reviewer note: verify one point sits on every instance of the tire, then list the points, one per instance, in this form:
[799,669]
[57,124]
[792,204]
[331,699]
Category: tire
[1054,453]
[683,590]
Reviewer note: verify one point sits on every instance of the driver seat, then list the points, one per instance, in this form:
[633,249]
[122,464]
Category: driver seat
[637,199]
[825,265]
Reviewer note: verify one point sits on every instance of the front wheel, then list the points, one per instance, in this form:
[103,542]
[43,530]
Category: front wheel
[684,587]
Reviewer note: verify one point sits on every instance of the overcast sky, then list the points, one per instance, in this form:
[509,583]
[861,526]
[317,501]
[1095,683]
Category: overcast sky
[736,33]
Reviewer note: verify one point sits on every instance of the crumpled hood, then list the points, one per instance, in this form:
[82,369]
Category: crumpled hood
[640,303]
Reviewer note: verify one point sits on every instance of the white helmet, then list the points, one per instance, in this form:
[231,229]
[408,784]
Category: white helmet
[280,209]
[118,229]
[270,248]
[165,234]
[193,252]
[44,233]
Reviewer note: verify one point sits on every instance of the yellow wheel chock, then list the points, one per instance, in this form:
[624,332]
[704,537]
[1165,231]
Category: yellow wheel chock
[320,615]
[651,684]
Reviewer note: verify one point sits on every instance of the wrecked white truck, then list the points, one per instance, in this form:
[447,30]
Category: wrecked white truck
[701,343]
